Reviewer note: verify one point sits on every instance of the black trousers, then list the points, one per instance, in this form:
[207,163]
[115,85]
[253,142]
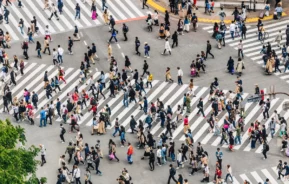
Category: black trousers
[125,37]
[172,177]
[201,111]
[175,42]
[43,160]
[209,52]
[47,49]
[265,154]
[89,165]
[220,162]
[62,137]
[136,49]
[152,164]
[54,14]
[144,72]
[266,113]
[144,4]
[243,35]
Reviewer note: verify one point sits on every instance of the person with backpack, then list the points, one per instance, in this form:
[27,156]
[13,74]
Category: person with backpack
[172,173]
[125,30]
[265,149]
[147,49]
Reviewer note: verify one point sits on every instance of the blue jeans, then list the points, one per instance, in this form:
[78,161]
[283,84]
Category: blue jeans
[238,140]
[77,14]
[285,68]
[162,122]
[149,125]
[30,39]
[180,82]
[146,53]
[38,52]
[173,157]
[145,109]
[103,5]
[6,19]
[228,176]
[272,132]
[179,163]
[44,122]
[129,158]
[21,30]
[260,35]
[116,129]
[232,34]
[59,58]
[253,144]
[125,102]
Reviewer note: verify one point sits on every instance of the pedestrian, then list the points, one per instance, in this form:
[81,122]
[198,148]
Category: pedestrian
[42,117]
[137,45]
[60,54]
[62,132]
[219,155]
[77,11]
[104,5]
[167,47]
[208,50]
[129,153]
[200,106]
[70,44]
[38,49]
[243,31]
[146,50]
[152,160]
[232,29]
[240,67]
[25,49]
[21,25]
[53,12]
[125,31]
[93,10]
[175,39]
[76,174]
[168,75]
[222,14]
[46,46]
[265,149]
[188,103]
[172,173]
[6,14]
[43,153]
[109,51]
[144,4]
[180,76]
[240,49]
[145,68]
[111,23]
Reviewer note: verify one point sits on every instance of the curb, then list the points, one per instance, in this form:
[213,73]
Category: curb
[160,8]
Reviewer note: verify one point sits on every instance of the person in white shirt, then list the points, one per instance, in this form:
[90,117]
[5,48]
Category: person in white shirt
[159,155]
[76,174]
[60,53]
[156,18]
[240,49]
[180,76]
[47,33]
[53,12]
[43,153]
[167,47]
[229,173]
[179,159]
[232,29]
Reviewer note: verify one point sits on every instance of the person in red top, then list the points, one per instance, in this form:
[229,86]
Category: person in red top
[186,124]
[61,75]
[31,114]
[129,153]
[94,109]
[75,97]
[218,175]
[29,106]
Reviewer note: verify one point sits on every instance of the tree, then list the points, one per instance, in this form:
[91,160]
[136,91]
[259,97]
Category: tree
[17,164]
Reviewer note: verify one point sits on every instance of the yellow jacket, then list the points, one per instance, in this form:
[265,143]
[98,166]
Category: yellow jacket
[150,78]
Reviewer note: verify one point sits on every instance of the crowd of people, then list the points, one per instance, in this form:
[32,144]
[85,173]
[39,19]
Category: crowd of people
[134,86]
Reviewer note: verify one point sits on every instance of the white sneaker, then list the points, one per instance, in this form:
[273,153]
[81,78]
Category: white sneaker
[177,168]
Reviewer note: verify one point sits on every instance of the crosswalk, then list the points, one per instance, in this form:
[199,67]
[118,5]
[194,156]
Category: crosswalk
[170,93]
[257,176]
[252,46]
[120,10]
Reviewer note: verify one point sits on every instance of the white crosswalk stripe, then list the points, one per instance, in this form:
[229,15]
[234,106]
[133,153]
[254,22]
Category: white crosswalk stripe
[120,10]
[257,176]
[252,46]
[170,93]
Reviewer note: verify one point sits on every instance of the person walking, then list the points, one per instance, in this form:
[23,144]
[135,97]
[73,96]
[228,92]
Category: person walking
[145,68]
[229,173]
[104,5]
[146,50]
[137,45]
[114,32]
[70,44]
[76,174]
[167,47]
[38,49]
[62,132]
[208,49]
[152,160]
[21,26]
[278,39]
[53,12]
[42,117]
[180,76]
[43,153]
[97,162]
[172,173]
[243,31]
[144,4]
[125,31]
[46,46]
[129,153]
[77,11]
[175,39]
[60,52]
[219,156]
[6,14]
[200,106]
[265,149]
[240,49]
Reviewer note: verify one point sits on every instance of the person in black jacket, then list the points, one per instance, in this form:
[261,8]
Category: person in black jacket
[38,49]
[137,44]
[135,75]
[12,78]
[70,44]
[48,91]
[132,124]
[111,23]
[5,102]
[145,68]
[8,95]
[208,50]
[172,174]
[152,160]
[131,95]
[244,30]
[175,39]
[111,88]
[201,106]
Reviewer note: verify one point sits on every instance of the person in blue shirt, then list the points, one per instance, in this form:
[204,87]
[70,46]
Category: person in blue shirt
[145,105]
[219,155]
[42,117]
[113,35]
[58,107]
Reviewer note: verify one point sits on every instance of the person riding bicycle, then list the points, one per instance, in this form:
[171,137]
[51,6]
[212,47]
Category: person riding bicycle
[261,31]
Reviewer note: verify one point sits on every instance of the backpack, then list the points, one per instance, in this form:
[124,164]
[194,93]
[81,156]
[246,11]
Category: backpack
[126,28]
[149,48]
[63,131]
[267,147]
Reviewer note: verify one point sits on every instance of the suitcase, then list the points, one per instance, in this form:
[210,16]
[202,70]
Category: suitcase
[261,16]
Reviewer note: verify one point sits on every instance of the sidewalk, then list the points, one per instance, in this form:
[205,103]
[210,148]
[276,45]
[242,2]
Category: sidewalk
[162,5]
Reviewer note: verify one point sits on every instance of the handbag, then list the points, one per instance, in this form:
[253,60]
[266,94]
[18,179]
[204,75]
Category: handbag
[111,156]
